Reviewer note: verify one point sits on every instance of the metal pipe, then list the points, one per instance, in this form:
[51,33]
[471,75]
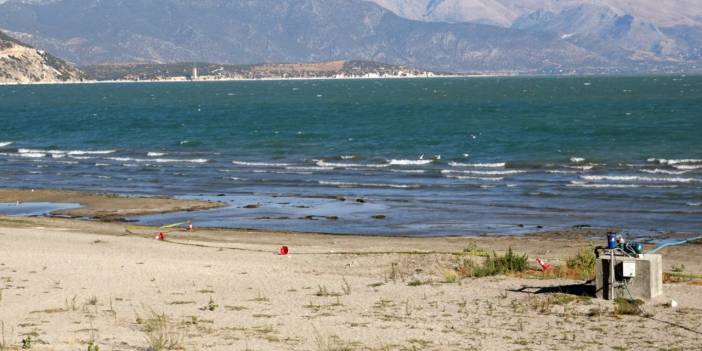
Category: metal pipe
[674,244]
[611,274]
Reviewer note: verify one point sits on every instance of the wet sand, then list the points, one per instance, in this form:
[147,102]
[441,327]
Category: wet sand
[66,283]
[104,206]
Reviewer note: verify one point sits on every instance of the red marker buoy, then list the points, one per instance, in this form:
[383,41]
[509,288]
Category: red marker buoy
[283,251]
[160,237]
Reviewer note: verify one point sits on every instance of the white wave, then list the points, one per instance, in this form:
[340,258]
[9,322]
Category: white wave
[33,154]
[672,162]
[368,185]
[5,143]
[174,160]
[662,171]
[492,179]
[90,152]
[348,157]
[448,171]
[577,159]
[694,203]
[483,165]
[583,168]
[410,162]
[606,185]
[120,159]
[416,171]
[77,157]
[321,163]
[159,160]
[260,164]
[102,164]
[641,179]
[58,155]
[156,154]
[312,168]
[591,185]
[688,167]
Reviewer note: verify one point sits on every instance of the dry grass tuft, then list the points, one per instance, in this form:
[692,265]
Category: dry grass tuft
[160,333]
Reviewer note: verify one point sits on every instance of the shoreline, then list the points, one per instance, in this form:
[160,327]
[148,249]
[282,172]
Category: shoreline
[105,207]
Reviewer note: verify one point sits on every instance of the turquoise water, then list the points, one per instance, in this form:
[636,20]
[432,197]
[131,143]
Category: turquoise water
[434,156]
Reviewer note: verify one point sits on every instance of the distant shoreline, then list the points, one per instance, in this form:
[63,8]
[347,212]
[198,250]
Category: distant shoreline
[251,79]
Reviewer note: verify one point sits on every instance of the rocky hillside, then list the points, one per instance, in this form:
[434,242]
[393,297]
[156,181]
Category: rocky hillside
[527,36]
[20,63]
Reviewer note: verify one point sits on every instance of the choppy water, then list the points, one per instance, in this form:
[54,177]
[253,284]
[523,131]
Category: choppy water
[438,156]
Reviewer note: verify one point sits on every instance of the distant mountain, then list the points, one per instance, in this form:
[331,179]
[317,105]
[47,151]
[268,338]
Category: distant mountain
[20,63]
[666,13]
[508,38]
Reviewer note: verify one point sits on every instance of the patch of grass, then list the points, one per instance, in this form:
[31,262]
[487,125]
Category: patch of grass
[451,276]
[331,343]
[494,265]
[181,302]
[160,333]
[375,285]
[322,291]
[345,287]
[583,263]
[211,306]
[679,277]
[624,306]
[474,250]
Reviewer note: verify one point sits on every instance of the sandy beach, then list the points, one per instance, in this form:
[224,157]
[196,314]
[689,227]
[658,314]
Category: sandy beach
[66,284]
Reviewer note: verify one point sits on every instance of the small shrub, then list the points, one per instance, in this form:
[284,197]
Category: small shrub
[27,343]
[583,263]
[627,306]
[160,334]
[211,306]
[474,250]
[495,265]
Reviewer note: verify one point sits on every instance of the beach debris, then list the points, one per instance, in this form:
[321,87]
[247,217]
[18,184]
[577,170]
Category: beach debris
[190,226]
[672,304]
[283,250]
[545,266]
[160,236]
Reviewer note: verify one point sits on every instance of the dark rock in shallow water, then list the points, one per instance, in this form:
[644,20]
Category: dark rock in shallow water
[253,206]
[361,201]
[580,226]
[540,227]
[341,198]
[520,225]
[379,217]
[220,195]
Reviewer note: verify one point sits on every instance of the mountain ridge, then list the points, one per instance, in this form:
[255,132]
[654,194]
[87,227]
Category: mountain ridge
[91,32]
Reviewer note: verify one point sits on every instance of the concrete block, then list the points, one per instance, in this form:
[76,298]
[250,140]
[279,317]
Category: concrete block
[647,282]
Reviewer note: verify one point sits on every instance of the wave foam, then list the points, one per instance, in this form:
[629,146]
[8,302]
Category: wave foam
[577,159]
[321,163]
[155,154]
[410,162]
[641,179]
[615,186]
[671,162]
[448,171]
[492,179]
[482,165]
[368,185]
[260,164]
[662,171]
[5,143]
